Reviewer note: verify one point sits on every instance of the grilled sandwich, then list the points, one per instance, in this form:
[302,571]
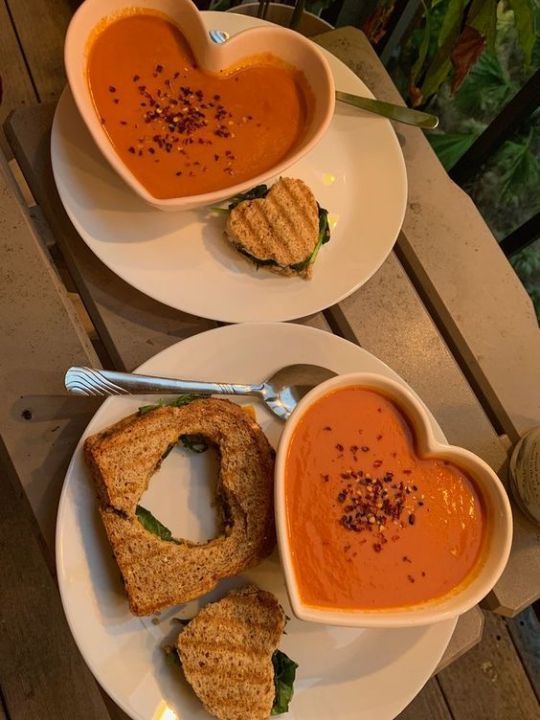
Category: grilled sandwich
[228,655]
[281,229]
[159,570]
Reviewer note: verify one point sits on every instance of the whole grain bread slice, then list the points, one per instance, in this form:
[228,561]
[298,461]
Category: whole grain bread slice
[122,459]
[226,654]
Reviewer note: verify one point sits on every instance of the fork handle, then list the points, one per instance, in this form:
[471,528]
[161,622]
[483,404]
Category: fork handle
[90,381]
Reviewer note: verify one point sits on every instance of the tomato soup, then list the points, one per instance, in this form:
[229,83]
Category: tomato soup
[180,130]
[371,524]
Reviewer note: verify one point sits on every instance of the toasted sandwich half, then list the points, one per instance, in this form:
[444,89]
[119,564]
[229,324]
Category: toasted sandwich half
[228,655]
[281,229]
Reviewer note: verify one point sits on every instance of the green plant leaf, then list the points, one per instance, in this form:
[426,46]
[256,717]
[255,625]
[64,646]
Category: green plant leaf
[525,26]
[284,675]
[452,21]
[485,89]
[423,49]
[437,73]
[522,168]
[482,16]
[152,524]
[450,146]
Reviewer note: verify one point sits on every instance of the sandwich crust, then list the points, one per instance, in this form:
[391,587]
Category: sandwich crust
[226,654]
[122,459]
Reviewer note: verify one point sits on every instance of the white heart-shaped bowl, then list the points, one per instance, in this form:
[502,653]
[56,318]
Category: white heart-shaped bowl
[285,44]
[497,507]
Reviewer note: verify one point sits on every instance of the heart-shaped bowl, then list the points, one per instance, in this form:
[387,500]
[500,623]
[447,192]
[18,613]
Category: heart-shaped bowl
[285,45]
[293,461]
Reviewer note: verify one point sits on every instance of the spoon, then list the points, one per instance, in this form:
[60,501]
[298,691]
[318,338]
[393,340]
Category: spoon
[398,113]
[281,393]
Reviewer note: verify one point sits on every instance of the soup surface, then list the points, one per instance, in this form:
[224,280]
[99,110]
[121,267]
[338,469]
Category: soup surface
[372,525]
[180,130]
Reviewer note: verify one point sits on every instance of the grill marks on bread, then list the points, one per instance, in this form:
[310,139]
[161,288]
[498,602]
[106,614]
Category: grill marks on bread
[282,228]
[122,459]
[226,653]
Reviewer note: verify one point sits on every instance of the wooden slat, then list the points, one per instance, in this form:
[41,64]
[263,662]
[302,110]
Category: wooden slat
[489,683]
[468,633]
[456,263]
[388,318]
[132,326]
[16,83]
[429,704]
[41,27]
[41,337]
[525,632]
[42,674]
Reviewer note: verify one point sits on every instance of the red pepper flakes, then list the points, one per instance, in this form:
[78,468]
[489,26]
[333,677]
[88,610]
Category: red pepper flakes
[364,448]
[410,578]
[377,463]
[379,437]
[406,559]
[112,89]
[412,519]
[377,547]
[339,447]
[325,477]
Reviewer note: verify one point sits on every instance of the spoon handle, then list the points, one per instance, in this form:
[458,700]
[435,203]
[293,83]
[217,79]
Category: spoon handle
[90,381]
[391,111]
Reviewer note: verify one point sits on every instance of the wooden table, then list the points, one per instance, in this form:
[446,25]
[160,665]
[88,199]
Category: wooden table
[445,311]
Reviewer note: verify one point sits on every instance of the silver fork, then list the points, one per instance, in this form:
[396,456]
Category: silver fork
[280,393]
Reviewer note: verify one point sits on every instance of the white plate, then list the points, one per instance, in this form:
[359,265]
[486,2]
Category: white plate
[349,674]
[183,260]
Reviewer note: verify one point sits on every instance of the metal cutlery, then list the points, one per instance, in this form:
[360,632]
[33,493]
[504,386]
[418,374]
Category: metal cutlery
[280,393]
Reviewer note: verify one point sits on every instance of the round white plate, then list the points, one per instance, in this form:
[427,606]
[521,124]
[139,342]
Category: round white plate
[182,259]
[346,673]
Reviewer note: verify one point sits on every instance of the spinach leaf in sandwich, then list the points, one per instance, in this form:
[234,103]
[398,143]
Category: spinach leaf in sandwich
[179,402]
[323,238]
[257,192]
[196,443]
[284,674]
[152,524]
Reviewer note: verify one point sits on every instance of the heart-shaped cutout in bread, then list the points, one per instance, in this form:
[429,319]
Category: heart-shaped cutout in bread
[185,121]
[159,573]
